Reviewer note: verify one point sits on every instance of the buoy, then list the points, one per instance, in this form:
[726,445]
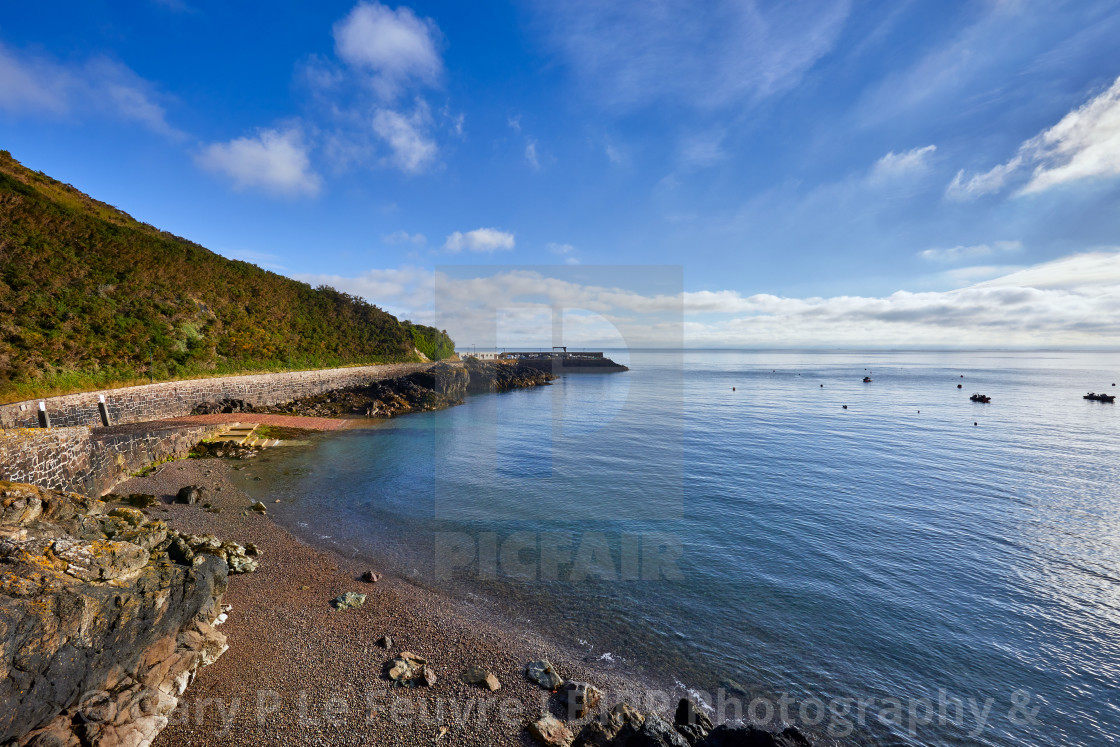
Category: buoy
[962,376]
[919,412]
[822,386]
[960,386]
[845,407]
[732,388]
[975,423]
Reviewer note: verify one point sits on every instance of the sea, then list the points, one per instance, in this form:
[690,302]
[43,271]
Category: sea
[883,562]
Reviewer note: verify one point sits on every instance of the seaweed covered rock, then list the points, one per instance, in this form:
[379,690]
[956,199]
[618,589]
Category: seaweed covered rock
[102,623]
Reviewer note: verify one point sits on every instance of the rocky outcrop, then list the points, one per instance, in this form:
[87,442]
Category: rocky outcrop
[105,617]
[444,379]
[500,376]
[624,726]
[443,385]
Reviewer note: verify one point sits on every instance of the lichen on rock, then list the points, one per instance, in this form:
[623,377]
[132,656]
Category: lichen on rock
[105,617]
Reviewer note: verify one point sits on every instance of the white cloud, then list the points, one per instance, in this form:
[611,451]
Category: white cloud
[404,237]
[1085,144]
[982,184]
[514,123]
[480,240]
[273,160]
[412,148]
[635,53]
[531,155]
[956,253]
[395,47]
[1070,302]
[406,292]
[895,165]
[40,86]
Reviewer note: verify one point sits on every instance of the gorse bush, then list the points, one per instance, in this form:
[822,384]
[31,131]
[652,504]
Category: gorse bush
[90,297]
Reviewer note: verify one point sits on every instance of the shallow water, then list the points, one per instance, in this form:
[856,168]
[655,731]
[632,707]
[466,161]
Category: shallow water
[767,546]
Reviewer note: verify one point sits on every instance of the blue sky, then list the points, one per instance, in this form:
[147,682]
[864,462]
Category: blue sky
[898,173]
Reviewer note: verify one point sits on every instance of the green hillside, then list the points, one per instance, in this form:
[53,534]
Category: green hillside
[87,293]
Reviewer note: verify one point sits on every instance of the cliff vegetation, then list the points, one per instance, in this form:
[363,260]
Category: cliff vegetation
[91,298]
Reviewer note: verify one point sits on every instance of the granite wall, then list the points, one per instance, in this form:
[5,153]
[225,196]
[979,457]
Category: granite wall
[90,461]
[173,399]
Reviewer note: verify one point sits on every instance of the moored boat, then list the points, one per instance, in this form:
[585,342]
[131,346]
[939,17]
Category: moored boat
[980,398]
[1100,397]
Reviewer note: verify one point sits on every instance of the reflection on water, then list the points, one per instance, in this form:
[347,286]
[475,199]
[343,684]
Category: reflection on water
[892,549]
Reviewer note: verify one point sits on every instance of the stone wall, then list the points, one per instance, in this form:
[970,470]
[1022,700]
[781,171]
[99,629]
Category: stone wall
[173,399]
[88,461]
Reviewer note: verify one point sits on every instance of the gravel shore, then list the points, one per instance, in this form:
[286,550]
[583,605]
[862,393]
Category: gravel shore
[299,672]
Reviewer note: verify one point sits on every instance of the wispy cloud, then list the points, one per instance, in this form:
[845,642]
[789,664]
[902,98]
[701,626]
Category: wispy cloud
[404,237]
[36,85]
[634,53]
[484,240]
[275,161]
[412,149]
[1084,145]
[703,150]
[896,165]
[531,155]
[566,251]
[957,253]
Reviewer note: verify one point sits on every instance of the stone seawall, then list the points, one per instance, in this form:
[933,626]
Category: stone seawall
[173,399]
[88,460]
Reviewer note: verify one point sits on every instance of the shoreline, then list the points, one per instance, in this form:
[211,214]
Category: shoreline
[299,671]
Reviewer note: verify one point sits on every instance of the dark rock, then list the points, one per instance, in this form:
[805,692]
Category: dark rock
[191,494]
[602,732]
[692,723]
[753,736]
[93,605]
[580,698]
[259,507]
[385,642]
[371,577]
[653,731]
[500,376]
[544,674]
[444,379]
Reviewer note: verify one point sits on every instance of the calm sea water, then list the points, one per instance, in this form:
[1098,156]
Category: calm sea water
[955,566]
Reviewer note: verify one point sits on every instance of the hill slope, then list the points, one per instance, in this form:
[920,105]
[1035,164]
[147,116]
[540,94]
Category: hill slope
[87,293]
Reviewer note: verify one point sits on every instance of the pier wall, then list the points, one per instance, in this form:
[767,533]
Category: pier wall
[173,399]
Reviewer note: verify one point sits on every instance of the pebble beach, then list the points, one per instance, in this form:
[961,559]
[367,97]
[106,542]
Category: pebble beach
[299,671]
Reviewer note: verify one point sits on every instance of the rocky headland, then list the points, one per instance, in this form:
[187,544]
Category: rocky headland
[441,386]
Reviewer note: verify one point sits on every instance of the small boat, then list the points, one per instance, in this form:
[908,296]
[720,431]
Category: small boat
[980,398]
[1100,397]
[866,379]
